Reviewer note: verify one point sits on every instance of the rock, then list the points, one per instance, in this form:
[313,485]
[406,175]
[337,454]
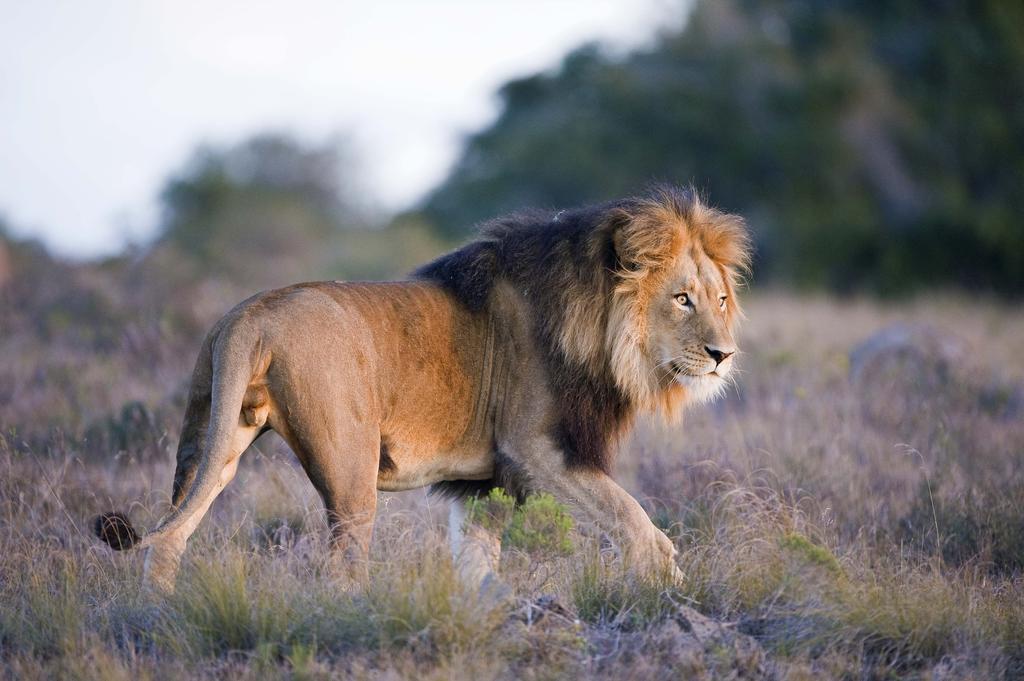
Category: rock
[684,644]
[725,652]
[906,371]
[545,607]
[924,349]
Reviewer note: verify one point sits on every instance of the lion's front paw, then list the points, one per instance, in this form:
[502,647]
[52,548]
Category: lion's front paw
[666,567]
[662,549]
[656,557]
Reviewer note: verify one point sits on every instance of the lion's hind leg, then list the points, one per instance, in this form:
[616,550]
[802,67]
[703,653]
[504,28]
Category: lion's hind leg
[341,459]
[218,427]
[163,558]
[476,550]
[215,434]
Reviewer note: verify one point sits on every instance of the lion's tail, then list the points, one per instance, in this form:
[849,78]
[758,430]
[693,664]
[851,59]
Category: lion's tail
[115,529]
[231,377]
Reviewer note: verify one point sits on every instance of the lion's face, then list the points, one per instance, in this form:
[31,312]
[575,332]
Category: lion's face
[670,334]
[690,318]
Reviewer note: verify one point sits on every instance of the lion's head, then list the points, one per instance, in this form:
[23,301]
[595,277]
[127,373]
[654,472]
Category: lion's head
[634,304]
[673,309]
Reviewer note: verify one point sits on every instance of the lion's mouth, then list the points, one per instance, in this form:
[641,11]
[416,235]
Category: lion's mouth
[679,370]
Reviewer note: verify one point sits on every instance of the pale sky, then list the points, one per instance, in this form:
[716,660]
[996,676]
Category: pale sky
[100,101]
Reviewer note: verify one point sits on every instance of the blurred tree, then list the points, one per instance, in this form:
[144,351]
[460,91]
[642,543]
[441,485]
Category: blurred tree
[871,144]
[264,212]
[271,211]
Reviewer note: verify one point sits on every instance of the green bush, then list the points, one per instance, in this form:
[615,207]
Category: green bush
[493,512]
[541,525]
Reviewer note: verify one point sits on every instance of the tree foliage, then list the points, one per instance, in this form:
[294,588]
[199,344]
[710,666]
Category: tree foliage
[272,210]
[269,202]
[872,145]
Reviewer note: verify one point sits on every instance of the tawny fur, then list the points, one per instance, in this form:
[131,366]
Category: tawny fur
[517,360]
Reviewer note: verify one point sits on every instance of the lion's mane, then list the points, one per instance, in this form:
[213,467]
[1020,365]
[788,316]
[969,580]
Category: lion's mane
[587,276]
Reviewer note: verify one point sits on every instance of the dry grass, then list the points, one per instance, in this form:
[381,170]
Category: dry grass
[851,544]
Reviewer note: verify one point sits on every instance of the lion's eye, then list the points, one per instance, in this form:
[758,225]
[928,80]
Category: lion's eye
[721,301]
[682,299]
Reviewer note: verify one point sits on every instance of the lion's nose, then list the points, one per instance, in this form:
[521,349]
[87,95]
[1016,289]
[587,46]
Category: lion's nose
[718,355]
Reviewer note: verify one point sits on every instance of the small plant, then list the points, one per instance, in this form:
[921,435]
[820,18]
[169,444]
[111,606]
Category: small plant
[903,614]
[225,613]
[541,525]
[424,604]
[982,526]
[302,660]
[808,552]
[53,619]
[493,512]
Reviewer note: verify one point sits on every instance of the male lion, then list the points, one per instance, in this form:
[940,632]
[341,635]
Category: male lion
[517,360]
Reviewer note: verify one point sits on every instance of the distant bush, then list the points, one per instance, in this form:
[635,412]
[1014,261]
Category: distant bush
[135,430]
[267,211]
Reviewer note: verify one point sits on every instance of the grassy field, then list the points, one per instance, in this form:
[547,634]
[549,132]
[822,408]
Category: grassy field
[859,517]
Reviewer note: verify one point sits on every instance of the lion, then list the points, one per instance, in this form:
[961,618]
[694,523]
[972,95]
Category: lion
[518,360]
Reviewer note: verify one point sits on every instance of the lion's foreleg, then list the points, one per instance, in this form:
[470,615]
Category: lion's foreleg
[475,549]
[599,503]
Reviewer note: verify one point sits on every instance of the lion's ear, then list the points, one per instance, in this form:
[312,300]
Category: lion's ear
[641,240]
[727,241]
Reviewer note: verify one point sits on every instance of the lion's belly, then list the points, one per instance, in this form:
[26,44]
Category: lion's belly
[405,468]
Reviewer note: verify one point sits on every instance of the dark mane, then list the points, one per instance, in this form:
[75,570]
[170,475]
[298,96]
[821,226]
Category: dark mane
[551,258]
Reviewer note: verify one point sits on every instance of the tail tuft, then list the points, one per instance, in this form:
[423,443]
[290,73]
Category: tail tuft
[115,530]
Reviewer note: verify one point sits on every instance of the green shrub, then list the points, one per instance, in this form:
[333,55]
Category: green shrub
[541,525]
[493,512]
[813,554]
